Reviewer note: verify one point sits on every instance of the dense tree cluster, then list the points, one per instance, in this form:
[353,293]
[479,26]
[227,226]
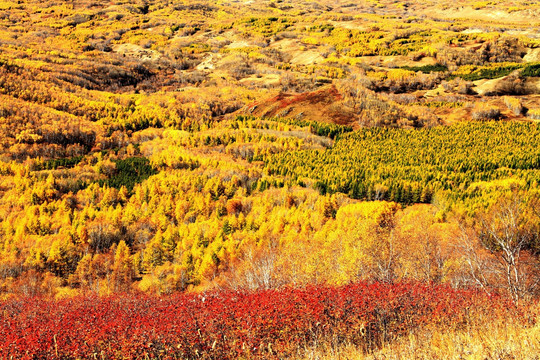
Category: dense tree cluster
[409,166]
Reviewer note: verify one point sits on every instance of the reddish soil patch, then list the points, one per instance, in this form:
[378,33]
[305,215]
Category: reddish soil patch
[318,105]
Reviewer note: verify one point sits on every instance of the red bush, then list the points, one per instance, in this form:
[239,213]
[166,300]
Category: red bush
[227,325]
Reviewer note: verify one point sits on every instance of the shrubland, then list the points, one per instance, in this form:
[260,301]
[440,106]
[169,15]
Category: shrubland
[268,324]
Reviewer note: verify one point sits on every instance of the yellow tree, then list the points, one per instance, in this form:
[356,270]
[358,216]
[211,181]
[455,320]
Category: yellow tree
[122,269]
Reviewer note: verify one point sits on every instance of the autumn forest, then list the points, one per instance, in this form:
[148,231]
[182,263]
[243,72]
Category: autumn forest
[269,179]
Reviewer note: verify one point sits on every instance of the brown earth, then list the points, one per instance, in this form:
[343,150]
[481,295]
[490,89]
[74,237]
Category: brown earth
[321,105]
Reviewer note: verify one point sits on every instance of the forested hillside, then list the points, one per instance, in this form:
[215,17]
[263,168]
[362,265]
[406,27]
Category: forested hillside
[193,148]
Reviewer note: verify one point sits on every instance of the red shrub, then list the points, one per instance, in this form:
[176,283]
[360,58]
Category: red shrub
[227,325]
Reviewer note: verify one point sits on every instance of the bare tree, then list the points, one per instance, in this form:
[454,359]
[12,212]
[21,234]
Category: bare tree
[257,271]
[477,266]
[509,233]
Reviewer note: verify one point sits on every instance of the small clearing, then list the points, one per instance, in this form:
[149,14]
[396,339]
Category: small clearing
[299,55]
[484,14]
[238,45]
[307,57]
[268,79]
[136,51]
[209,63]
[533,55]
[321,105]
[485,87]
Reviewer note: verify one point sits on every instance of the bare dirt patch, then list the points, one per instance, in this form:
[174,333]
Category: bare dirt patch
[209,62]
[473,31]
[266,79]
[484,87]
[297,51]
[533,55]
[484,14]
[307,57]
[238,45]
[136,51]
[321,105]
